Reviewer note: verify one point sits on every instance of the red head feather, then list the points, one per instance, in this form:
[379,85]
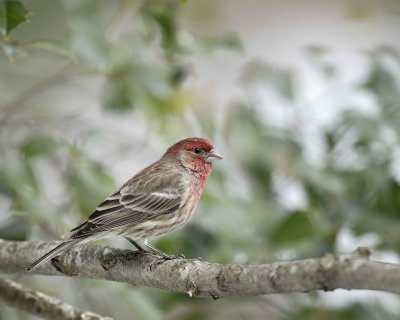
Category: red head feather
[189,144]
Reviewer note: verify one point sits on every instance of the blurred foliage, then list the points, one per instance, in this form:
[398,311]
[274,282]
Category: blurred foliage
[138,54]
[354,311]
[12,14]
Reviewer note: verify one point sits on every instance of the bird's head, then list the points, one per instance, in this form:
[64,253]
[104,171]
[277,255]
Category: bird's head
[196,154]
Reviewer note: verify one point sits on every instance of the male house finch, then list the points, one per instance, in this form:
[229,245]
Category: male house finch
[159,199]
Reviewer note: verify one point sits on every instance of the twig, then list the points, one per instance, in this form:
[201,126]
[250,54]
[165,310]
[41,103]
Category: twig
[40,304]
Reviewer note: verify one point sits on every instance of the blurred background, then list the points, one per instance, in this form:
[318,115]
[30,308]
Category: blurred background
[301,98]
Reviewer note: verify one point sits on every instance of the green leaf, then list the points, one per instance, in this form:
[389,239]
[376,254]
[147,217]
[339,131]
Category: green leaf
[5,187]
[296,227]
[15,229]
[383,82]
[162,14]
[3,18]
[386,200]
[36,146]
[12,14]
[353,311]
[118,95]
[89,183]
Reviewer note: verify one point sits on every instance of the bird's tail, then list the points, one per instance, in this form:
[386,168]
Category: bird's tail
[55,252]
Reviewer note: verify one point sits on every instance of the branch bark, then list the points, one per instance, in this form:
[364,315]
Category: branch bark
[199,278]
[40,304]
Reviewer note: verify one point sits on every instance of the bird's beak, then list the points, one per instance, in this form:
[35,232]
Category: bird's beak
[213,156]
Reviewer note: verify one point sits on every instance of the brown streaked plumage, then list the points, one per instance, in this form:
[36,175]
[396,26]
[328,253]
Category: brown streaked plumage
[159,199]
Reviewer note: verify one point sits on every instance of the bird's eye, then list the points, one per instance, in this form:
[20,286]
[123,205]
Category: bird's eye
[197,150]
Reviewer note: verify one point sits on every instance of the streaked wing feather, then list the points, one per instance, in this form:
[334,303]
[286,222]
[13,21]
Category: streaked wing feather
[108,204]
[124,208]
[109,223]
[153,202]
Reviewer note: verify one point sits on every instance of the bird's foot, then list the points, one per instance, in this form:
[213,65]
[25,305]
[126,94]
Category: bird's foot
[172,256]
[163,255]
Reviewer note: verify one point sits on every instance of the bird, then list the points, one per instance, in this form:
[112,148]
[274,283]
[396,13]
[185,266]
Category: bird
[158,200]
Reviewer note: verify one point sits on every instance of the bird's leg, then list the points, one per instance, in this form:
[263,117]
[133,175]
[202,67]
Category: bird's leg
[162,254]
[154,249]
[138,246]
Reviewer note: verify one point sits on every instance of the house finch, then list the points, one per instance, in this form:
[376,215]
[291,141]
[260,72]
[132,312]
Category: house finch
[159,199]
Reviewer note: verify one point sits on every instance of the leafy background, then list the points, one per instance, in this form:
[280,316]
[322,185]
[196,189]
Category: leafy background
[303,101]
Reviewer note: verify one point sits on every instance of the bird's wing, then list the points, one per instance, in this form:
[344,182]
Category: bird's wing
[130,206]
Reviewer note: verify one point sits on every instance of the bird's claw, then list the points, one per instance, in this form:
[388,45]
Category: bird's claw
[166,257]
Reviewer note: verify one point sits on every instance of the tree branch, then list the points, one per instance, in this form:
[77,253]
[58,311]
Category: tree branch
[198,278]
[40,304]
